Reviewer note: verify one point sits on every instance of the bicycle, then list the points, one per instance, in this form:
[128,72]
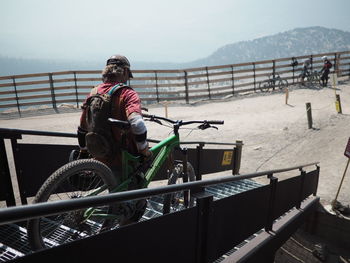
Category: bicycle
[89,177]
[273,82]
[312,77]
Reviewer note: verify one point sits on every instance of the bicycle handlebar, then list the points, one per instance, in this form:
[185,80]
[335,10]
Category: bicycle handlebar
[180,123]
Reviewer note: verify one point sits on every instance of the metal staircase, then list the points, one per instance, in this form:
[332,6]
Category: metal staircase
[14,237]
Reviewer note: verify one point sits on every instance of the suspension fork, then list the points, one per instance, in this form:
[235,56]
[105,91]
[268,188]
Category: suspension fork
[185,173]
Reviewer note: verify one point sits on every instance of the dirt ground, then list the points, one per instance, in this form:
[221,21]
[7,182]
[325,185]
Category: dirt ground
[275,133]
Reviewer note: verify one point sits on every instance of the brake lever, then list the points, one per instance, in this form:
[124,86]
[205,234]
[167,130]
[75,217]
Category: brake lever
[206,125]
[151,118]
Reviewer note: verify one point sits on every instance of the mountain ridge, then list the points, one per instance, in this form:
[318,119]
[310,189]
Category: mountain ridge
[295,42]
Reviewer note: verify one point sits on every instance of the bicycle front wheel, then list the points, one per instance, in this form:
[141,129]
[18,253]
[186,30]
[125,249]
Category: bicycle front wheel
[264,86]
[76,179]
[316,80]
[283,84]
[178,200]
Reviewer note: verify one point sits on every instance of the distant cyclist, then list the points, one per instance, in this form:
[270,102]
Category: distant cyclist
[305,70]
[327,65]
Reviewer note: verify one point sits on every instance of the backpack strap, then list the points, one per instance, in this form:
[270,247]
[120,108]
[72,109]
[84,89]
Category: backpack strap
[116,88]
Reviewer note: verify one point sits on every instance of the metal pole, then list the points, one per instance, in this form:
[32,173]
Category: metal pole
[341,182]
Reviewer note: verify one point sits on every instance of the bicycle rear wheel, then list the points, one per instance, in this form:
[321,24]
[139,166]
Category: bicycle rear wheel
[282,84]
[176,200]
[316,79]
[264,86]
[76,179]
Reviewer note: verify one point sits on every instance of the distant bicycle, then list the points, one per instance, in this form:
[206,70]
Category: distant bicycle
[312,77]
[272,83]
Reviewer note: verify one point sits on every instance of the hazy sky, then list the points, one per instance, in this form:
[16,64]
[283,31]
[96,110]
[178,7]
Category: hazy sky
[152,30]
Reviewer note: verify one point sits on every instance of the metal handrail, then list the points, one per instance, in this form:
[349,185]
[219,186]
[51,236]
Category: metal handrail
[15,214]
[7,133]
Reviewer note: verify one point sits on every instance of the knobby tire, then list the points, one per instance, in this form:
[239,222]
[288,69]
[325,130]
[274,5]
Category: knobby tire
[172,200]
[73,180]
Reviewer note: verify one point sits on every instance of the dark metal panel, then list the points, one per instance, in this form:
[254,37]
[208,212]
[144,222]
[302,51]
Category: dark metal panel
[36,162]
[263,247]
[236,218]
[310,183]
[211,161]
[287,195]
[6,189]
[216,160]
[170,238]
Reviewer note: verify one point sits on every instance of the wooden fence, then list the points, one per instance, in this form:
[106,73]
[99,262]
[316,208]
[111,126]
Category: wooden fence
[55,89]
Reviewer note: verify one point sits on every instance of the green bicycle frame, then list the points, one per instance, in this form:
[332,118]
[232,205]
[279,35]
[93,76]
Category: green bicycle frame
[161,151]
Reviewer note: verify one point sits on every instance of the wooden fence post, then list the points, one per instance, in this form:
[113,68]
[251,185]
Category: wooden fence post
[273,72]
[156,76]
[206,68]
[186,87]
[76,89]
[338,103]
[17,99]
[254,77]
[335,63]
[53,98]
[233,80]
[309,114]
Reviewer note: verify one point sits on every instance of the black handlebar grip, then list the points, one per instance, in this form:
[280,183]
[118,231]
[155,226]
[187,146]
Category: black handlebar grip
[216,122]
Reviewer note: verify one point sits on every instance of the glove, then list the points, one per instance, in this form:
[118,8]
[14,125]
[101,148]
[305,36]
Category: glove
[146,153]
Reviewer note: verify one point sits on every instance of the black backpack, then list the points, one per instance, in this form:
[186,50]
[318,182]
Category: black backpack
[99,137]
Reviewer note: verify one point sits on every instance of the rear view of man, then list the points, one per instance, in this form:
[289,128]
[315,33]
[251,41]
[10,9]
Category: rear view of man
[125,106]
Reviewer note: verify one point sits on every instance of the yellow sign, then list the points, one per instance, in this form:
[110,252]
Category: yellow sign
[337,106]
[227,158]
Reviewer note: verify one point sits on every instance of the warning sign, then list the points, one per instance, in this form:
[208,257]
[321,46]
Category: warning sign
[347,149]
[227,158]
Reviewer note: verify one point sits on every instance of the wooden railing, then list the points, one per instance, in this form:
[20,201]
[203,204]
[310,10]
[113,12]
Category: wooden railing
[54,89]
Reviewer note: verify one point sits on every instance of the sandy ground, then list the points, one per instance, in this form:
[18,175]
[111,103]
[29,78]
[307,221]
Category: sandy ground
[275,134]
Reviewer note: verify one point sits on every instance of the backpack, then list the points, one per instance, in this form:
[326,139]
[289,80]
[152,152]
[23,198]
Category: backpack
[99,137]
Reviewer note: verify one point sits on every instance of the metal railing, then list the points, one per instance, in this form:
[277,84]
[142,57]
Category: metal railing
[14,214]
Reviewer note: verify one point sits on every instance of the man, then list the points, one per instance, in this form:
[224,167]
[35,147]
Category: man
[325,70]
[305,70]
[126,106]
